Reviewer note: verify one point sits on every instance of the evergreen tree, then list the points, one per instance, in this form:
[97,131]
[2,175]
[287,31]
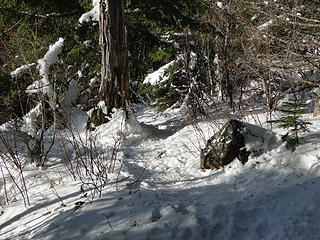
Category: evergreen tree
[292,109]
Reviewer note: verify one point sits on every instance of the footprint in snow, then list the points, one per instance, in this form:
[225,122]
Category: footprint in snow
[155,216]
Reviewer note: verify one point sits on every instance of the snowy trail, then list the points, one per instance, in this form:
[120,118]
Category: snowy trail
[237,203]
[251,202]
[273,196]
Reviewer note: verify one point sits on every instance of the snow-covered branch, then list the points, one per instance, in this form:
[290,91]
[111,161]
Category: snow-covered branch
[93,14]
[44,64]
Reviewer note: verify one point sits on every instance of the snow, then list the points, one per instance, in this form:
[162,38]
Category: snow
[93,82]
[265,25]
[51,57]
[254,17]
[158,76]
[220,5]
[16,73]
[103,107]
[71,97]
[29,121]
[275,195]
[260,140]
[193,60]
[43,85]
[93,14]
[157,189]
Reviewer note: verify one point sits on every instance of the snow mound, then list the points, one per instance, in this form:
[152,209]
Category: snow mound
[259,140]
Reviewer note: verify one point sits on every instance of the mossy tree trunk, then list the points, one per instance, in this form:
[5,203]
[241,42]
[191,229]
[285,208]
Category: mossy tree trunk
[114,88]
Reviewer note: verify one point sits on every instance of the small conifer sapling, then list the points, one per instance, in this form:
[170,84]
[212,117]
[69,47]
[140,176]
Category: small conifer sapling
[292,109]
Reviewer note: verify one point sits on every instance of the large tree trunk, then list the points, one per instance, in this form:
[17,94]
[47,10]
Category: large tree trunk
[114,88]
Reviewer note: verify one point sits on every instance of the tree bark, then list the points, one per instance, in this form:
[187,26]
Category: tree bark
[114,88]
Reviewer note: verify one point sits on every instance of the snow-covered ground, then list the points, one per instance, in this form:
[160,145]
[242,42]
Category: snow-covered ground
[158,190]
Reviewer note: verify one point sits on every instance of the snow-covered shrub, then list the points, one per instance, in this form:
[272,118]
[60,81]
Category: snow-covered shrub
[185,82]
[38,119]
[162,89]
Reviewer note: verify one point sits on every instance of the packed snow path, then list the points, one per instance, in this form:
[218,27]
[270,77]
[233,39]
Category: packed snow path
[273,196]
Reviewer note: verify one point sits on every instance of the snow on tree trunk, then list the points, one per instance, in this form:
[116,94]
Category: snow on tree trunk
[114,88]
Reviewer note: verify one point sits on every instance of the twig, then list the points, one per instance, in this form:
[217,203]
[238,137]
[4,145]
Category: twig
[8,30]
[137,180]
[108,220]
